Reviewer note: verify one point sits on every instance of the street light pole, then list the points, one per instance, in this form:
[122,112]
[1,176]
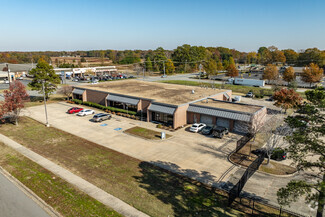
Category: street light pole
[47,121]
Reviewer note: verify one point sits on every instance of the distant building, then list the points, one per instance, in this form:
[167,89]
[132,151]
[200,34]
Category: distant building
[16,71]
[80,72]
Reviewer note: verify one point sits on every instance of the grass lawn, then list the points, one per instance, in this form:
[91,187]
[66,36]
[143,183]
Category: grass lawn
[150,189]
[145,133]
[56,192]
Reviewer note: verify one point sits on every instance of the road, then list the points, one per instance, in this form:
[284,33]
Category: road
[15,203]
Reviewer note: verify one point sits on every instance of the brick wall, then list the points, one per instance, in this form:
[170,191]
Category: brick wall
[96,97]
[143,105]
[259,118]
[180,116]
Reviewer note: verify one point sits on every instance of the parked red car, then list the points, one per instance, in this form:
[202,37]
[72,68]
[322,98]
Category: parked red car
[74,110]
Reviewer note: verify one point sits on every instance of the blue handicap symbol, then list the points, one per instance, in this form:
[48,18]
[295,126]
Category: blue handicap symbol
[117,129]
[103,125]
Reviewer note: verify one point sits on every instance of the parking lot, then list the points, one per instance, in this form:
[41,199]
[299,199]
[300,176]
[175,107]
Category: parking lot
[197,156]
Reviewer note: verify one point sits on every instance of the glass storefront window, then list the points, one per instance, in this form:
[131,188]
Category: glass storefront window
[163,118]
[123,106]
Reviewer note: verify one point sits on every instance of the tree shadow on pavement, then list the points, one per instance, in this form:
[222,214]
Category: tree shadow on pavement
[186,196]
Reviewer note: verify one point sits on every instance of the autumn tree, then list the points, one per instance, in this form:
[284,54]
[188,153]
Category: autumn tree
[231,61]
[159,58]
[306,149]
[102,57]
[251,57]
[148,64]
[44,73]
[312,74]
[232,71]
[169,67]
[219,66]
[289,74]
[271,72]
[15,99]
[291,56]
[210,67]
[287,98]
[66,90]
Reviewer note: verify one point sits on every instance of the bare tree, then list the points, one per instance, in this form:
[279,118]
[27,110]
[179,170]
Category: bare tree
[274,133]
[66,90]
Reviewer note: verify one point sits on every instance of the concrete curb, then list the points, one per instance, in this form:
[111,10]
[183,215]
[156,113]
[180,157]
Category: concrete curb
[83,185]
[48,209]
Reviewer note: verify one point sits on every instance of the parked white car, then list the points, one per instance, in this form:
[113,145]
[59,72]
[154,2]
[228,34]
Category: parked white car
[197,127]
[86,112]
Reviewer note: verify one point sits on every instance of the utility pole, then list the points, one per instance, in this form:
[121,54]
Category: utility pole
[200,71]
[47,121]
[8,70]
[164,69]
[143,69]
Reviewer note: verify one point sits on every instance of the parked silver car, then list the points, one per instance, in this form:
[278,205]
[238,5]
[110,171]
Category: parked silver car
[101,117]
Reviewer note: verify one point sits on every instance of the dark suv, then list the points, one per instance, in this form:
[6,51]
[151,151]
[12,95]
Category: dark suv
[219,132]
[101,117]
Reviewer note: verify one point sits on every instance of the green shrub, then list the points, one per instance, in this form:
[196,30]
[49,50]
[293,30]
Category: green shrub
[77,101]
[102,107]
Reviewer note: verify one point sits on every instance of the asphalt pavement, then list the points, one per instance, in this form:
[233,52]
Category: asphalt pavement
[15,203]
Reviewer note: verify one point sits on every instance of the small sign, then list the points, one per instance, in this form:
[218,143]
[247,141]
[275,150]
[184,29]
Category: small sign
[163,135]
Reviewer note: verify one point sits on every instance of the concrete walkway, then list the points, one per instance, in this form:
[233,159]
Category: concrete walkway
[90,189]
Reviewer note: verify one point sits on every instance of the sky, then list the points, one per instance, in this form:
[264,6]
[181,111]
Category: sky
[244,25]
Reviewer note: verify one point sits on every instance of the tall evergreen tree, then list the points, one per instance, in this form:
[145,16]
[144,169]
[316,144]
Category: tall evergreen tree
[44,73]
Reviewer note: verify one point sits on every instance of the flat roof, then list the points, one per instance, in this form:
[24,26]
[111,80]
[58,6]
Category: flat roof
[160,92]
[229,106]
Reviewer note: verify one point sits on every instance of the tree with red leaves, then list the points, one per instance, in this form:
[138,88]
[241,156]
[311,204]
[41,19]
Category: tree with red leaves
[15,99]
[287,98]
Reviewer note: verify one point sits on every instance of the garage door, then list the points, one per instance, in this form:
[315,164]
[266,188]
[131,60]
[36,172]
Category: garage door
[206,119]
[240,127]
[223,122]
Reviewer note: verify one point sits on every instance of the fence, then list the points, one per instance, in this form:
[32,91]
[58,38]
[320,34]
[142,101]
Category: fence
[242,141]
[251,169]
[256,207]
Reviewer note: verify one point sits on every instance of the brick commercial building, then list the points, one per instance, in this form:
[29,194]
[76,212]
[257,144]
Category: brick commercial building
[174,105]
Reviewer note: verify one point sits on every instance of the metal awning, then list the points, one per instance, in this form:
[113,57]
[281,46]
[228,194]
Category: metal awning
[162,109]
[233,115]
[123,99]
[78,91]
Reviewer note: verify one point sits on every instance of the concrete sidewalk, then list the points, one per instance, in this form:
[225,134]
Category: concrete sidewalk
[90,189]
